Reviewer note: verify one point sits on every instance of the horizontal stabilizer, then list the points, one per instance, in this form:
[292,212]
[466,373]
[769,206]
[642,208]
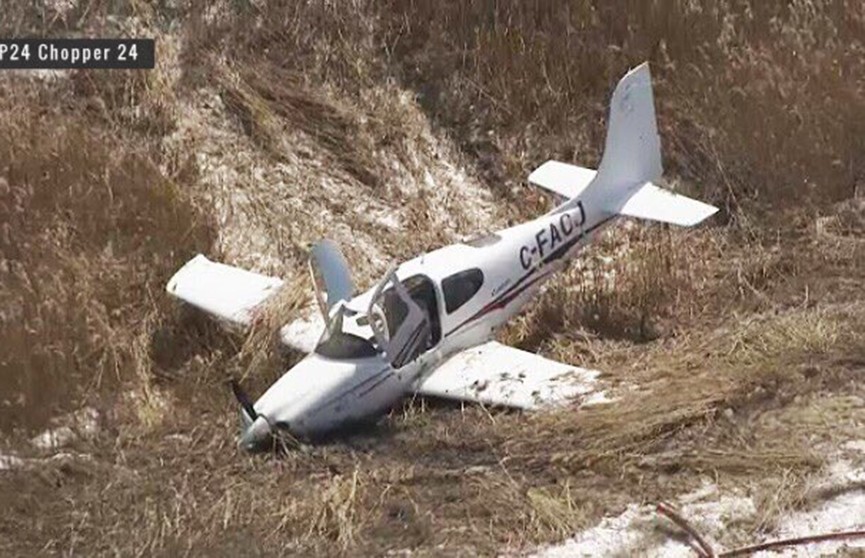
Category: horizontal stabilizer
[563,179]
[495,374]
[658,204]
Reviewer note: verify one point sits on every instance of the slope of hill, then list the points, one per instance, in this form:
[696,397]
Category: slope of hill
[734,351]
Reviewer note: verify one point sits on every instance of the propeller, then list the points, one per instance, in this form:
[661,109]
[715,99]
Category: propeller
[257,435]
[243,399]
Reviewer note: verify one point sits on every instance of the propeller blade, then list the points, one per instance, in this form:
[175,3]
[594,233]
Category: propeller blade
[243,399]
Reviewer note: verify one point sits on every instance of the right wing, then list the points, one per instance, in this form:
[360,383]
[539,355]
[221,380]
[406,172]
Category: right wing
[231,295]
[225,292]
[495,374]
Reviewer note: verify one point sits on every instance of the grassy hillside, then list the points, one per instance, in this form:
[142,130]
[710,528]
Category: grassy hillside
[394,127]
[760,103]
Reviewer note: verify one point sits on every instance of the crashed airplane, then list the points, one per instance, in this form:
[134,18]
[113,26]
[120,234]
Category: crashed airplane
[427,327]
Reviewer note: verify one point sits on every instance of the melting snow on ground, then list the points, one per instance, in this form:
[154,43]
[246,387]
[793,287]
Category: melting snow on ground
[68,428]
[641,529]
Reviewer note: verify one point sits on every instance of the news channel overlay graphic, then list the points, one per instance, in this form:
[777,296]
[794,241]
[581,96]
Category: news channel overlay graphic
[77,54]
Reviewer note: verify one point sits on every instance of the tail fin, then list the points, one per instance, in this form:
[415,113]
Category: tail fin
[631,162]
[632,153]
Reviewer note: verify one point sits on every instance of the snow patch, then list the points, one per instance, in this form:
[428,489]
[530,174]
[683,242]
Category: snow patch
[637,530]
[845,512]
[611,536]
[68,428]
[597,398]
[8,462]
[855,445]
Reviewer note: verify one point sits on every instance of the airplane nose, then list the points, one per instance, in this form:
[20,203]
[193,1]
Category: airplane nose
[257,437]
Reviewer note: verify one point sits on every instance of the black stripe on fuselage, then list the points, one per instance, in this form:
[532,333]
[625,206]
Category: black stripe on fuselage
[382,380]
[500,302]
[378,375]
[506,297]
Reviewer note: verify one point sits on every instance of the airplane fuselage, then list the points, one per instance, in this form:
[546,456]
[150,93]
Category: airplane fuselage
[322,394]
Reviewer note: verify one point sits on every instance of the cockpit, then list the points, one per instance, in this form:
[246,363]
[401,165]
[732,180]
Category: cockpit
[401,322]
[347,336]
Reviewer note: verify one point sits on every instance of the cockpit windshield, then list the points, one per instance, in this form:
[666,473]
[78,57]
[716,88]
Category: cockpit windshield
[337,343]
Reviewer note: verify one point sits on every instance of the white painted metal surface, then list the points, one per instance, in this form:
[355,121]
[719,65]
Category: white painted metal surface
[303,334]
[495,374]
[563,179]
[225,292]
[652,202]
[330,265]
[632,152]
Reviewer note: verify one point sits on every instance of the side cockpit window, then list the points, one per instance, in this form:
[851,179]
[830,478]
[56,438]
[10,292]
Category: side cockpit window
[460,287]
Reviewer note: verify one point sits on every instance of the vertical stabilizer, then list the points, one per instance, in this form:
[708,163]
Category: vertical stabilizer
[632,152]
[631,162]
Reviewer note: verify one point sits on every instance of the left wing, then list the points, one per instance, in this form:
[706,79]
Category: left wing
[495,374]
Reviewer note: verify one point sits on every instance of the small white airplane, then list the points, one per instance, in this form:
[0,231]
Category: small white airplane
[427,327]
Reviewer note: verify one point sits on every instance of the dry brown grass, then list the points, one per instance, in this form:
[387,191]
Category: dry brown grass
[760,103]
[83,263]
[262,356]
[273,103]
[734,352]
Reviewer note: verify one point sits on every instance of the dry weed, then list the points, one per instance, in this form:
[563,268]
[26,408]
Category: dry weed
[729,350]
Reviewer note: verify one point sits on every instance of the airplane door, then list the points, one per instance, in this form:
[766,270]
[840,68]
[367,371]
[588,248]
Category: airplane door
[331,278]
[399,324]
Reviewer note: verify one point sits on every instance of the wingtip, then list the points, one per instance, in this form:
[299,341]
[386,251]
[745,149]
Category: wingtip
[709,211]
[171,285]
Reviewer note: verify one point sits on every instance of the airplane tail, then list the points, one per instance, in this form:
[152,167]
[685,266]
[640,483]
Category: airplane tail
[631,162]
[632,152]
